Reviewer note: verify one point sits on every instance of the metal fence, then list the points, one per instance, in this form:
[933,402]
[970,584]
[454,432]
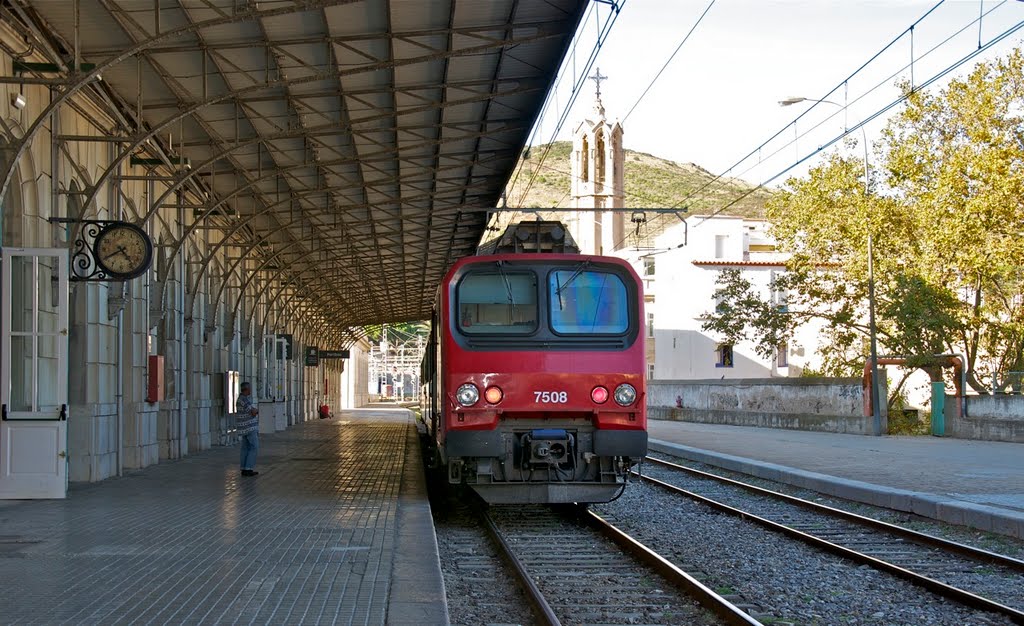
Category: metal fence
[1012,383]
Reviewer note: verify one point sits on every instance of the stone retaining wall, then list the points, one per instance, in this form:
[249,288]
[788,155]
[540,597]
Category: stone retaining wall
[822,404]
[989,418]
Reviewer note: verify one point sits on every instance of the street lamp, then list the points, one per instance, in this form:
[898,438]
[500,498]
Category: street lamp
[876,412]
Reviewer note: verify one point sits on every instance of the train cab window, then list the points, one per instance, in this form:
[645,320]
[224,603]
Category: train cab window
[587,302]
[498,302]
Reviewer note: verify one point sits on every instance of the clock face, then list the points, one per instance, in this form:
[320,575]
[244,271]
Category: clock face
[123,250]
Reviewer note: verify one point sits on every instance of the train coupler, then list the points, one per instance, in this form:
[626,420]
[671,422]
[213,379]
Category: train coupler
[552,446]
[455,471]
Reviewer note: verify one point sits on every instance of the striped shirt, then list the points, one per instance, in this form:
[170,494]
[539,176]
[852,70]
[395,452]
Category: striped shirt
[247,421]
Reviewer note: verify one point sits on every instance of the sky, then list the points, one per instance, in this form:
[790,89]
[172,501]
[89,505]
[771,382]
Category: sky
[718,100]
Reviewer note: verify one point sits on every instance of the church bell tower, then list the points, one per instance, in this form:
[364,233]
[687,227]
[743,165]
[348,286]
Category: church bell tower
[597,180]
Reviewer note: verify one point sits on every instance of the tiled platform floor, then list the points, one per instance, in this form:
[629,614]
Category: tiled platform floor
[336,529]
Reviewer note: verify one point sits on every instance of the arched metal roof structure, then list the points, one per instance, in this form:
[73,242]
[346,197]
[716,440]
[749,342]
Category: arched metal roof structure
[352,147]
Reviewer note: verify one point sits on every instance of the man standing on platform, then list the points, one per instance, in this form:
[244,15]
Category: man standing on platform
[248,430]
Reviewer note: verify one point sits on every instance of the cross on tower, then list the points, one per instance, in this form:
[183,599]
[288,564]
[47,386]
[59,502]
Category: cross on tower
[597,78]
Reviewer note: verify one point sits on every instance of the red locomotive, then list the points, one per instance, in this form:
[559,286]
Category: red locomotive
[533,377]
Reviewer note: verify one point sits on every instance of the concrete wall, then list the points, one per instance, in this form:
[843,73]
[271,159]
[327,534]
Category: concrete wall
[829,405]
[990,418]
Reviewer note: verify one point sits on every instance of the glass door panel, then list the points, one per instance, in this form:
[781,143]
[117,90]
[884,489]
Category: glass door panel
[34,373]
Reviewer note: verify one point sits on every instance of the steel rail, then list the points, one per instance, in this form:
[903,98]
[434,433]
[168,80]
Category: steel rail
[917,536]
[940,588]
[710,600]
[541,607]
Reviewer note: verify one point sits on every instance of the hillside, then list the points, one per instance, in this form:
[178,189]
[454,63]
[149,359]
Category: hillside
[650,182]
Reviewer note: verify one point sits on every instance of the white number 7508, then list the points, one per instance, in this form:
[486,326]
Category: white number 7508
[551,397]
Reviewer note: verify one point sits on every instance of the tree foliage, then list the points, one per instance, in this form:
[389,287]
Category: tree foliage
[944,207]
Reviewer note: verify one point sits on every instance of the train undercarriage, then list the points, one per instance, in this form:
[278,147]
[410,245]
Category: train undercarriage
[525,461]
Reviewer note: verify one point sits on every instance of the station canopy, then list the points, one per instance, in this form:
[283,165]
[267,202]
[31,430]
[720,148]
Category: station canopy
[351,148]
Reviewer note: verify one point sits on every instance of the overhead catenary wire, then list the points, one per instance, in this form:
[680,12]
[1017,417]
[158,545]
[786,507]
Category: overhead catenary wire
[658,75]
[603,32]
[671,56]
[568,107]
[796,119]
[896,102]
[841,85]
[870,118]
[843,108]
[970,55]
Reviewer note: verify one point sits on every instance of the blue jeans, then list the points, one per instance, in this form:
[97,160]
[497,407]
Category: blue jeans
[250,445]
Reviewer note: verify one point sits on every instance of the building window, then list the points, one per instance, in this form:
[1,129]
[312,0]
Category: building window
[650,371]
[779,296]
[782,358]
[648,266]
[720,246]
[650,325]
[720,306]
[585,162]
[724,355]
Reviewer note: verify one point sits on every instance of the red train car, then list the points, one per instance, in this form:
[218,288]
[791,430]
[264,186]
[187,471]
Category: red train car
[533,377]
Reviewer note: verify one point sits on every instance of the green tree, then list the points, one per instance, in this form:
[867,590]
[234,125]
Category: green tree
[945,209]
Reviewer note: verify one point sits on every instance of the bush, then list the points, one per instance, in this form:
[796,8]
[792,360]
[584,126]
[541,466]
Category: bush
[909,422]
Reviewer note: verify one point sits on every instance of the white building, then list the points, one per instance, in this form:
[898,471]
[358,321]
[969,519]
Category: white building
[680,276]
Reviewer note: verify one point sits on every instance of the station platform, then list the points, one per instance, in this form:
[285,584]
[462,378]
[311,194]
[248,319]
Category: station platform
[972,483]
[336,529]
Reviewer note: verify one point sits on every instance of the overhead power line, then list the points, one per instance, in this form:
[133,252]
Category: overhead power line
[568,107]
[602,36]
[972,54]
[671,56]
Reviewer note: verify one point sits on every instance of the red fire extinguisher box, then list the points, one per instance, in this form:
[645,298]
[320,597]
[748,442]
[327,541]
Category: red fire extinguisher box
[155,378]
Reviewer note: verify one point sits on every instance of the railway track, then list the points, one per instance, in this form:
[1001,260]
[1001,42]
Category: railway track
[577,568]
[974,577]
[480,587]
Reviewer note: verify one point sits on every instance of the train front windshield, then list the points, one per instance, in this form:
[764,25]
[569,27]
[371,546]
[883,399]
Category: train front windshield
[503,303]
[587,302]
[580,300]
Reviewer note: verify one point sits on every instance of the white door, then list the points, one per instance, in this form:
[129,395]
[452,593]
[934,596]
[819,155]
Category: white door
[34,373]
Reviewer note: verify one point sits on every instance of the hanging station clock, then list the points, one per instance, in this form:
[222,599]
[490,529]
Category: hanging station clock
[123,250]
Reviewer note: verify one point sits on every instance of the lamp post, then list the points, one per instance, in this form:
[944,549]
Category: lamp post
[876,426]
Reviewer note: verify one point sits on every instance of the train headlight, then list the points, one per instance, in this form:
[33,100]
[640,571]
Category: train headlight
[493,395]
[467,395]
[625,394]
[599,395]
